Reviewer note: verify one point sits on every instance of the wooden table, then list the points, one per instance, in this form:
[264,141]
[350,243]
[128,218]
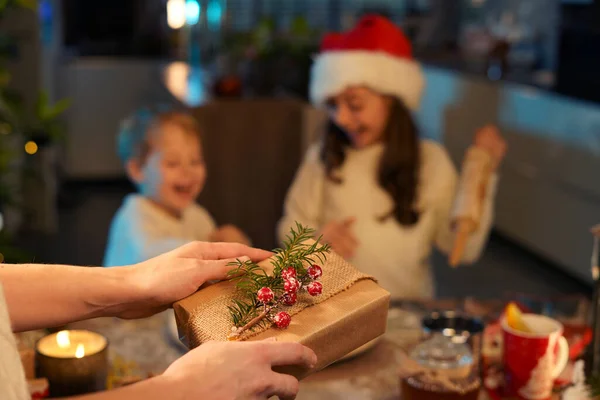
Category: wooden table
[369,376]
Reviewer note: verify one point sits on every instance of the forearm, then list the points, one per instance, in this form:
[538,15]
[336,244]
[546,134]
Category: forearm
[52,295]
[158,388]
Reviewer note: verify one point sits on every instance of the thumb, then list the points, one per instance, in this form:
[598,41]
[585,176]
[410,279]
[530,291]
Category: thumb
[218,269]
[348,222]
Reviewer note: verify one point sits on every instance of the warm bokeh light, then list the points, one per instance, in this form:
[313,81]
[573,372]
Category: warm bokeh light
[63,340]
[80,352]
[31,147]
[176,13]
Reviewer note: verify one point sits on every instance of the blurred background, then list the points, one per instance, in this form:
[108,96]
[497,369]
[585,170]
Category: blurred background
[71,70]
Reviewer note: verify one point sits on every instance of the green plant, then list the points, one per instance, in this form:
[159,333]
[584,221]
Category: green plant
[16,125]
[46,125]
[279,59]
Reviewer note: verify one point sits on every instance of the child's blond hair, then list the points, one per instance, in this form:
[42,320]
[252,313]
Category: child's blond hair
[137,130]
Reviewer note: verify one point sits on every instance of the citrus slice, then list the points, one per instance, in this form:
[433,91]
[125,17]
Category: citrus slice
[514,318]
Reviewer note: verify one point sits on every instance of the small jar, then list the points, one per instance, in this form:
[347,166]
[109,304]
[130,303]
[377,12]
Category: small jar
[442,369]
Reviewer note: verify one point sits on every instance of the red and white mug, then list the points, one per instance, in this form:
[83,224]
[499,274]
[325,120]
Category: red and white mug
[532,361]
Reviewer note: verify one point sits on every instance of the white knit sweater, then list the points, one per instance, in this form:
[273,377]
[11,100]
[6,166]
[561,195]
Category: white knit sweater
[12,377]
[397,256]
[140,230]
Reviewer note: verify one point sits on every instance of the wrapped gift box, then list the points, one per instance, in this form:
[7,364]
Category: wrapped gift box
[351,311]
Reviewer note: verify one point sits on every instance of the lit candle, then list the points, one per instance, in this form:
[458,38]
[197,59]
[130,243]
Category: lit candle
[74,362]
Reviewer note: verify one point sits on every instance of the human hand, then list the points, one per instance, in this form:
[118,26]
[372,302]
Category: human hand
[159,282]
[238,370]
[340,236]
[489,139]
[231,234]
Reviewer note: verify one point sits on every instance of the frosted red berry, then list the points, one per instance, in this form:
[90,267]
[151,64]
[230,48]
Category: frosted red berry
[314,288]
[282,320]
[315,272]
[288,273]
[265,295]
[290,299]
[291,285]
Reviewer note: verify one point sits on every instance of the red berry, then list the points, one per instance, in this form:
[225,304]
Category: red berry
[282,320]
[265,295]
[315,272]
[288,273]
[291,285]
[290,299]
[315,288]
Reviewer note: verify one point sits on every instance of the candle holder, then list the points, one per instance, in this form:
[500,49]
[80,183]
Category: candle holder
[74,362]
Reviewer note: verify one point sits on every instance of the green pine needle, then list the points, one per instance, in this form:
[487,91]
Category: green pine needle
[250,278]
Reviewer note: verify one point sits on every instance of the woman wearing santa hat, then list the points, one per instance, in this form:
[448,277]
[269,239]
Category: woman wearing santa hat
[379,194]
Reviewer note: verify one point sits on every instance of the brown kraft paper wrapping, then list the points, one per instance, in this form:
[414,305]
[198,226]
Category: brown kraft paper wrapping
[351,311]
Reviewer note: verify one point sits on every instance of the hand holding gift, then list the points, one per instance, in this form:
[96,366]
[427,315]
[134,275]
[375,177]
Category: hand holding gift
[304,293]
[209,370]
[480,162]
[169,277]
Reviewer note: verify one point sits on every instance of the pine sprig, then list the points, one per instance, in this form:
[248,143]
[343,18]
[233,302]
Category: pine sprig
[247,312]
[296,253]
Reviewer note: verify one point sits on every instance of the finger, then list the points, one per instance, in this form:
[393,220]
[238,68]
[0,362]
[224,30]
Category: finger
[215,236]
[285,387]
[218,270]
[348,222]
[338,244]
[219,251]
[341,248]
[343,251]
[288,353]
[347,239]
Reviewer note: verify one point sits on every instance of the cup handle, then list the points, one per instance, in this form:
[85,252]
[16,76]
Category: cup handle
[562,357]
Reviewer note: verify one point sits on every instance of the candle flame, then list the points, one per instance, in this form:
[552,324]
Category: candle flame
[80,352]
[63,340]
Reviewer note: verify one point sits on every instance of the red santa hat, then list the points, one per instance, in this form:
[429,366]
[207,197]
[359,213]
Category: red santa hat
[375,54]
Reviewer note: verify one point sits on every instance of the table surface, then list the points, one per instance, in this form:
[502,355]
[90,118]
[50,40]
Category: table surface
[371,375]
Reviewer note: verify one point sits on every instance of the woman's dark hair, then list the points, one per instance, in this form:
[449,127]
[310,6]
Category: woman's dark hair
[399,165]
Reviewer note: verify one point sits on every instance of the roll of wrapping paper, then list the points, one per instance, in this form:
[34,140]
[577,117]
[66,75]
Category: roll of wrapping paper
[469,201]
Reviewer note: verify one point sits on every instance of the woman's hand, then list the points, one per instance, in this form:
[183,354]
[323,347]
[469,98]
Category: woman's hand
[340,236]
[231,234]
[239,370]
[163,280]
[489,139]
[222,370]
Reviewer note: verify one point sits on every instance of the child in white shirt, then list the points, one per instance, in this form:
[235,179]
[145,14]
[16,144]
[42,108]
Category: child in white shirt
[162,154]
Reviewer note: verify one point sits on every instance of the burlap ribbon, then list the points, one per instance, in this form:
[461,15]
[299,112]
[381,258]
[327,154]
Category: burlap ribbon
[211,319]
